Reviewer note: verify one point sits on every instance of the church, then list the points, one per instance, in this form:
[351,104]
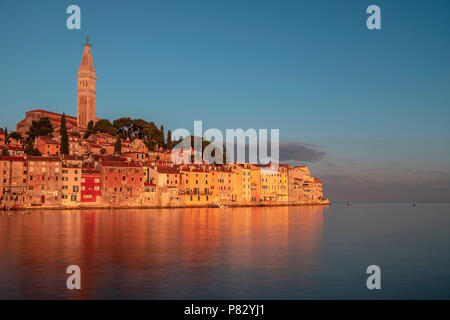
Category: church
[85,102]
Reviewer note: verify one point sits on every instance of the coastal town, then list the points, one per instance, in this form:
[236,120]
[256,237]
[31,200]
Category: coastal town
[55,160]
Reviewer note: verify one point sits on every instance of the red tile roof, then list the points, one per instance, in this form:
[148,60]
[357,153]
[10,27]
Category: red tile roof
[120,164]
[38,158]
[167,170]
[11,148]
[11,158]
[52,113]
[90,171]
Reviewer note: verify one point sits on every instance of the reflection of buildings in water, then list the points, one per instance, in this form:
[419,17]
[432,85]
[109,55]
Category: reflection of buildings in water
[129,248]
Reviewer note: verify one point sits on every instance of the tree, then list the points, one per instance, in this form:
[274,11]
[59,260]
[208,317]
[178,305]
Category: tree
[169,140]
[15,135]
[42,127]
[90,129]
[118,146]
[5,152]
[151,145]
[123,126]
[105,126]
[162,140]
[64,136]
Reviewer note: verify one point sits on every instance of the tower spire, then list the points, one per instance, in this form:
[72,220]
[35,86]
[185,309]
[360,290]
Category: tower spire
[86,88]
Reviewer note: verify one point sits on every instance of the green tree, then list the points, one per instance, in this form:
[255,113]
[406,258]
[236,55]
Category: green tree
[162,140]
[123,126]
[42,127]
[118,146]
[151,145]
[15,135]
[64,136]
[5,152]
[90,129]
[169,140]
[105,126]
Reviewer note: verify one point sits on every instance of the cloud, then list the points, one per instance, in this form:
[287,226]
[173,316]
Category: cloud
[300,152]
[341,187]
[290,152]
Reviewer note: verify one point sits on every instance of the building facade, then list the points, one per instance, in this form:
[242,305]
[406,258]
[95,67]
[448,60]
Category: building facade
[13,182]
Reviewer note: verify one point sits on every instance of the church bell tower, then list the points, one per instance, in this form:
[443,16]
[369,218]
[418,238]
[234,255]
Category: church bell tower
[86,88]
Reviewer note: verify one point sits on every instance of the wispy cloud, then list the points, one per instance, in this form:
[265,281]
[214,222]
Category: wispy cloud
[300,152]
[342,187]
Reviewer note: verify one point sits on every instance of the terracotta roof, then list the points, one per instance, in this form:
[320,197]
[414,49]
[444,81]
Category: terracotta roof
[38,158]
[149,184]
[167,170]
[132,152]
[52,113]
[90,171]
[11,148]
[120,164]
[10,158]
[47,140]
[71,157]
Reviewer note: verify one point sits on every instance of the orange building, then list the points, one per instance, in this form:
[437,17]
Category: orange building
[13,181]
[196,185]
[2,138]
[55,119]
[44,181]
[48,147]
[122,182]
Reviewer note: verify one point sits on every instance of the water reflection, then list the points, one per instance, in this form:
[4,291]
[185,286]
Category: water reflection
[147,254]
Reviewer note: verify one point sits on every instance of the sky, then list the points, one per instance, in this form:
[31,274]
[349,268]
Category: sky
[367,110]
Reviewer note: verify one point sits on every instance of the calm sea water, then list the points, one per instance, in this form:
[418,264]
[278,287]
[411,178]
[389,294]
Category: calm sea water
[233,253]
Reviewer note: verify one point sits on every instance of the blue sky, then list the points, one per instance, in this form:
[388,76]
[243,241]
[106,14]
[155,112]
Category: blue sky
[373,104]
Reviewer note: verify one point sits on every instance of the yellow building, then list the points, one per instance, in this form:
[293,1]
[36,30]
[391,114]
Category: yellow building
[256,182]
[71,184]
[222,188]
[283,186]
[312,190]
[241,183]
[196,186]
[274,184]
[297,176]
[71,180]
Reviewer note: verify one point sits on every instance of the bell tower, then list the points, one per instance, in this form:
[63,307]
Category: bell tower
[86,88]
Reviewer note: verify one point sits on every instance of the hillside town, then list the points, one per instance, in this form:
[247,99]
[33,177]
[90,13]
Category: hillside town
[54,160]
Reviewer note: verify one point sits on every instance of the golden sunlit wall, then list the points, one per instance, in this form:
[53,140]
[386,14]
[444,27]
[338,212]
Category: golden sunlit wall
[196,186]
